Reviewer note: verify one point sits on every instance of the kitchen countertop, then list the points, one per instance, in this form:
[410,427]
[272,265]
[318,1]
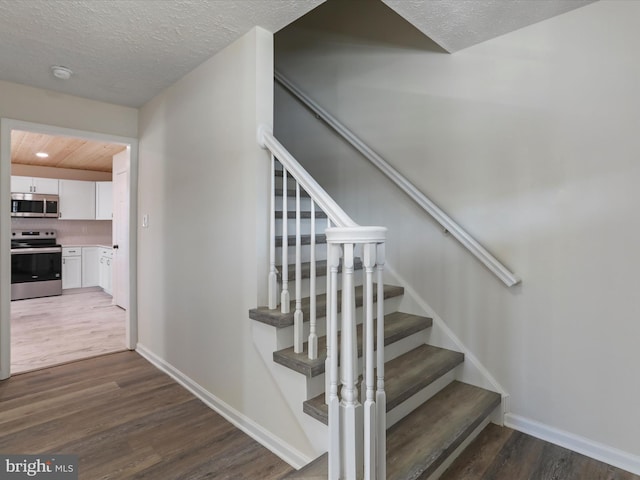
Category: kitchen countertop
[77,245]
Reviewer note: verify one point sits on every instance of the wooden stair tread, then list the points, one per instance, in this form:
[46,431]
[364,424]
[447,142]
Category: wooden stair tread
[291,214]
[279,319]
[419,443]
[321,268]
[405,376]
[422,441]
[397,326]
[304,240]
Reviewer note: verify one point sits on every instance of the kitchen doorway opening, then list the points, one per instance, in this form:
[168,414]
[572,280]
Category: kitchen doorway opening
[77,324]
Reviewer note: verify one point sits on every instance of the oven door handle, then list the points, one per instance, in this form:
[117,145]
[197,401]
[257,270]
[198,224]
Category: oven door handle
[23,251]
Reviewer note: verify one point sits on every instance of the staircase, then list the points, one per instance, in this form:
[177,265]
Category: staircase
[430,415]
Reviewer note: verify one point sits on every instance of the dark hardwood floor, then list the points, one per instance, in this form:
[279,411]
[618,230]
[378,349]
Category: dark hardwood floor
[503,454]
[126,420]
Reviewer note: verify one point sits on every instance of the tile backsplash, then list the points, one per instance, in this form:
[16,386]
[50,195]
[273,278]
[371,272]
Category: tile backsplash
[70,232]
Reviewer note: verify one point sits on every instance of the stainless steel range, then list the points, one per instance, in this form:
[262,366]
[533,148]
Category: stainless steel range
[36,264]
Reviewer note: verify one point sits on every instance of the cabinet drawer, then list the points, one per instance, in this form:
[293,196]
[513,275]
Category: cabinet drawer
[71,251]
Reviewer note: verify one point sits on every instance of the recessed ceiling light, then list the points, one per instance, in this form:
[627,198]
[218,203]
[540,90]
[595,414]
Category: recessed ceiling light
[42,155]
[63,73]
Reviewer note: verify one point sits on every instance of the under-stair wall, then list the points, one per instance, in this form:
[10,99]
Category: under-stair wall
[527,141]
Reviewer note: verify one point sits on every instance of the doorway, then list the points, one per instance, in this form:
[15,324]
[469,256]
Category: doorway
[127,237]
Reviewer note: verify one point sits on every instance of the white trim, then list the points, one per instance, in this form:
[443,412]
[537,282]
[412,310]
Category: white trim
[5,250]
[306,181]
[482,254]
[596,450]
[282,449]
[7,125]
[356,234]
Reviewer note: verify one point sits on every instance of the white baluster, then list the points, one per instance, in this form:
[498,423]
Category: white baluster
[298,341]
[273,278]
[331,372]
[327,362]
[381,398]
[351,409]
[370,451]
[284,296]
[313,334]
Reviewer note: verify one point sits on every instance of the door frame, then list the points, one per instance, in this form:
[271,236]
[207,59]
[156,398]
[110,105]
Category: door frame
[6,126]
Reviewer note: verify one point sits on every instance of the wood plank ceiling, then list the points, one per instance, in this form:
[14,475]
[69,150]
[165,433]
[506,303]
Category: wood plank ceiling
[64,152]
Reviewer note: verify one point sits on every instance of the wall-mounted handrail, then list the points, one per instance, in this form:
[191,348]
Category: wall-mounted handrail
[481,253]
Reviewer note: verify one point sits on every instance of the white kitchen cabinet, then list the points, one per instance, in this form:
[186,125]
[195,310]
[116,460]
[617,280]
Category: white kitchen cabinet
[90,270]
[105,266]
[104,200]
[48,186]
[77,200]
[71,267]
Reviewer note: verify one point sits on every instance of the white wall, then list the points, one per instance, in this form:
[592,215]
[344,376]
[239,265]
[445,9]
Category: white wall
[530,141]
[202,261]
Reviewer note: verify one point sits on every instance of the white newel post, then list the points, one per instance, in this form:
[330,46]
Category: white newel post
[370,450]
[359,441]
[381,398]
[331,368]
[350,407]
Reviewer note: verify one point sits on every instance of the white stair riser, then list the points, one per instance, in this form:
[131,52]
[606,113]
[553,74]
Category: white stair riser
[413,402]
[456,453]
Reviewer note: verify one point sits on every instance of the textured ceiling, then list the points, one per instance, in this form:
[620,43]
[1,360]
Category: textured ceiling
[125,51]
[458,24]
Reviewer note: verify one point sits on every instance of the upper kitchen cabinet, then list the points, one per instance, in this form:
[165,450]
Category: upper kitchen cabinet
[104,200]
[48,186]
[77,200]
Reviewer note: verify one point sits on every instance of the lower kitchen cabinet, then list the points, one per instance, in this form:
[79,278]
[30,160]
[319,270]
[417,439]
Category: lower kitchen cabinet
[71,268]
[90,270]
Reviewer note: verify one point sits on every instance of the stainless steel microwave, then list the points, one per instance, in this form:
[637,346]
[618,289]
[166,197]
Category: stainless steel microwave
[34,205]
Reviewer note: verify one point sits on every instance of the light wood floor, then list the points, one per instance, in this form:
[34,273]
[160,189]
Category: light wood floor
[125,419]
[503,454]
[53,330]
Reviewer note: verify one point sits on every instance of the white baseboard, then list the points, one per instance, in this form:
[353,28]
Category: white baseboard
[604,453]
[275,444]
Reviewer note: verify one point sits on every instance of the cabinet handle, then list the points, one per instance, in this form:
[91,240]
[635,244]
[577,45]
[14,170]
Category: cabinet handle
[102,260]
[108,262]
[63,261]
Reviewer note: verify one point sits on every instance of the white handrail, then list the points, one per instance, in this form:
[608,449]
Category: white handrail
[308,183]
[481,253]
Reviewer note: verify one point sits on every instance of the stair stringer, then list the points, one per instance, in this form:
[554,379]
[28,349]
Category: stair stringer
[472,371]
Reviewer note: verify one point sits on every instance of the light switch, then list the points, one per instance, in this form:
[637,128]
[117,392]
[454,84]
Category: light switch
[145,220]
